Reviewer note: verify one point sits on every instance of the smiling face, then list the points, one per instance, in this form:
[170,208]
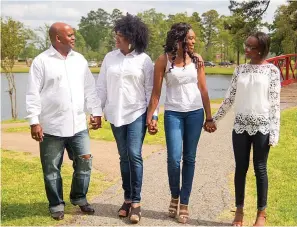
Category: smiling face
[121,42]
[66,37]
[190,41]
[251,48]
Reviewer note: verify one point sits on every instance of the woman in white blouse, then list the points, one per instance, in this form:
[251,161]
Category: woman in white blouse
[186,102]
[255,92]
[124,85]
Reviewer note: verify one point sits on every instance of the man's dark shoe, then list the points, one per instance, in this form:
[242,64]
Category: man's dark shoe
[88,209]
[58,215]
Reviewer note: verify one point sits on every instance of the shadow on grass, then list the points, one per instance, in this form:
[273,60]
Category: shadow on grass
[111,211]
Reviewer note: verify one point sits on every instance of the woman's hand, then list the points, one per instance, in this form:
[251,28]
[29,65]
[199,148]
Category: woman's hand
[210,127]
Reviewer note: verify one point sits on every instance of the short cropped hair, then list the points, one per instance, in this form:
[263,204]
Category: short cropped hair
[264,43]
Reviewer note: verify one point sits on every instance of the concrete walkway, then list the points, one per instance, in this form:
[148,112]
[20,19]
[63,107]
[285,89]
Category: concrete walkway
[210,195]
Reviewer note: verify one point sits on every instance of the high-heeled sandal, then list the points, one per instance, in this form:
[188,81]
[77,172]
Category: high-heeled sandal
[172,211]
[125,207]
[261,218]
[183,215]
[238,219]
[135,214]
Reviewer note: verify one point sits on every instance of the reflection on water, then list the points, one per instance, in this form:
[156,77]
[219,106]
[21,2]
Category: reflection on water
[217,86]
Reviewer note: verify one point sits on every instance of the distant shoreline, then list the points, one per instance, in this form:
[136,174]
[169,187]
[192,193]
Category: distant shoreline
[208,70]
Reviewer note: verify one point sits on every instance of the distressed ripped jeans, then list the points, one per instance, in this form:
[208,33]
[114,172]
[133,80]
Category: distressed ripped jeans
[51,155]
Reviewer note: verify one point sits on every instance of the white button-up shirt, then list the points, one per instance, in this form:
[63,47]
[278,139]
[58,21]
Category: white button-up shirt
[124,86]
[58,90]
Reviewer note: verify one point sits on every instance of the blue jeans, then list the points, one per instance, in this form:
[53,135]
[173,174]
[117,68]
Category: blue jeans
[51,155]
[182,130]
[129,140]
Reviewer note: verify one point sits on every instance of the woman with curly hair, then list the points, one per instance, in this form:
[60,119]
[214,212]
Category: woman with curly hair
[124,85]
[186,101]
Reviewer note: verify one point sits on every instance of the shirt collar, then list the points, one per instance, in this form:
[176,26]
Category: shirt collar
[133,53]
[53,52]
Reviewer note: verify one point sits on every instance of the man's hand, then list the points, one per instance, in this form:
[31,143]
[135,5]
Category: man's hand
[37,132]
[95,122]
[153,127]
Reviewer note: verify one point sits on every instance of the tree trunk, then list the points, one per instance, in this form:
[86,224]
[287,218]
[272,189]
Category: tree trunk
[12,94]
[237,57]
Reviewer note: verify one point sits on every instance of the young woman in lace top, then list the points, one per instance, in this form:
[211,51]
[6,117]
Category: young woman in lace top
[255,93]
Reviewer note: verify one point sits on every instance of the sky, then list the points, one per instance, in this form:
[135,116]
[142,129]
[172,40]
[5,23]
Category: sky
[36,13]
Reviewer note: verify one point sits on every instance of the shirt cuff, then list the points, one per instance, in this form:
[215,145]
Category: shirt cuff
[97,112]
[34,120]
[156,112]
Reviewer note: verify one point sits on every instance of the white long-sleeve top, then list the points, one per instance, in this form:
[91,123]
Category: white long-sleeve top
[124,85]
[255,90]
[58,90]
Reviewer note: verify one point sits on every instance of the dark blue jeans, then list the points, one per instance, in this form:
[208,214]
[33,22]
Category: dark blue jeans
[129,140]
[182,130]
[51,155]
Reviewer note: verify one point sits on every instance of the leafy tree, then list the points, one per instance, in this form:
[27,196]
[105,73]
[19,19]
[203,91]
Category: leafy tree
[41,37]
[157,31]
[94,28]
[284,30]
[210,20]
[247,16]
[13,39]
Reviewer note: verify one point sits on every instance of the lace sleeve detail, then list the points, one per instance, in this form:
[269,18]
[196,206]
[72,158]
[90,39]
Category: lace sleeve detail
[274,100]
[229,98]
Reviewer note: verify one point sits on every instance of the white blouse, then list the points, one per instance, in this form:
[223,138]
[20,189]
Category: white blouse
[124,85]
[182,92]
[255,90]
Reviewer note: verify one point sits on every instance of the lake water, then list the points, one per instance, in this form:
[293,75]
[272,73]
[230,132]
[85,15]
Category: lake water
[217,86]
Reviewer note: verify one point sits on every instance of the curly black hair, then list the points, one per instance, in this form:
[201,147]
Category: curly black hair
[134,30]
[178,33]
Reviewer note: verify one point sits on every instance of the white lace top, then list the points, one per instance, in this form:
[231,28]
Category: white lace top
[255,90]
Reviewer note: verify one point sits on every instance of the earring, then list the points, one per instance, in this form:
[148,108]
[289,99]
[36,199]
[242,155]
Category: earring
[129,46]
[259,53]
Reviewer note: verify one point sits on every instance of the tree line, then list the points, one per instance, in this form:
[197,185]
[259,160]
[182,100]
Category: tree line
[219,37]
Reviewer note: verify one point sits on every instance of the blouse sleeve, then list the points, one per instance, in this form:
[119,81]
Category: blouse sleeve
[229,98]
[274,101]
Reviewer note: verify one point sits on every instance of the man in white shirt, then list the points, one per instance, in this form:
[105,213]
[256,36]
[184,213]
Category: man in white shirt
[60,85]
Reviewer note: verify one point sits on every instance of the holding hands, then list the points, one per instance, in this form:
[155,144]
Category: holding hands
[210,126]
[95,122]
[152,125]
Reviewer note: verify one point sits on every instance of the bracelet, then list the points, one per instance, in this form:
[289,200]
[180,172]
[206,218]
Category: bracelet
[209,120]
[154,117]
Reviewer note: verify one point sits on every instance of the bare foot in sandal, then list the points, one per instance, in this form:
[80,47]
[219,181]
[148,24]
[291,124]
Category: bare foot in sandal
[183,215]
[135,213]
[124,210]
[238,219]
[172,211]
[261,218]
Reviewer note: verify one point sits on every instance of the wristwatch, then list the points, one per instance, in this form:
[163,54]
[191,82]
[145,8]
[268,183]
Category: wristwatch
[154,117]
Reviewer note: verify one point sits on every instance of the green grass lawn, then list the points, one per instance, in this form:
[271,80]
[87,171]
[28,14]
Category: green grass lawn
[208,70]
[105,132]
[13,121]
[24,201]
[282,175]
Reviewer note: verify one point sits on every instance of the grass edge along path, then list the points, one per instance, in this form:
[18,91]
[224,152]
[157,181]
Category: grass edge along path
[282,180]
[105,133]
[24,201]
